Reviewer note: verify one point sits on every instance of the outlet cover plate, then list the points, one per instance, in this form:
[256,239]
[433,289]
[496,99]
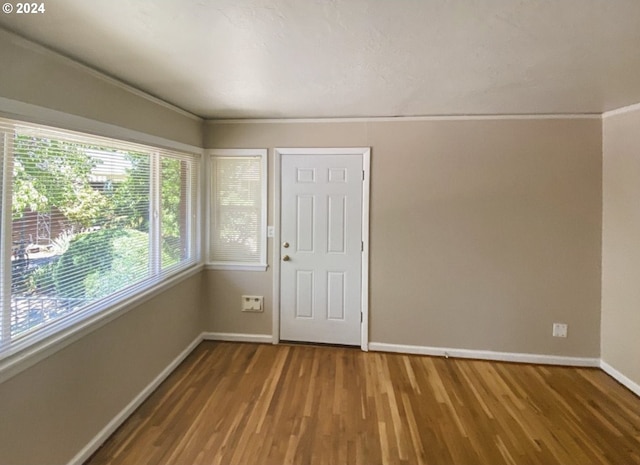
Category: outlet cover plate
[560,330]
[252,303]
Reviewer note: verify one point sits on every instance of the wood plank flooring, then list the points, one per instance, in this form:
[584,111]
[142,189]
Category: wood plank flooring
[234,403]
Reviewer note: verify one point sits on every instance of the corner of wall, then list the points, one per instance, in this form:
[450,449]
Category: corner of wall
[620,321]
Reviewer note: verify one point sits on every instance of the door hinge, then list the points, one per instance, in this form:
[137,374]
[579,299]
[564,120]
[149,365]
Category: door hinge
[361,246]
[363,175]
[361,317]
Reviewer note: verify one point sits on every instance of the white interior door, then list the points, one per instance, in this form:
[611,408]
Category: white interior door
[321,248]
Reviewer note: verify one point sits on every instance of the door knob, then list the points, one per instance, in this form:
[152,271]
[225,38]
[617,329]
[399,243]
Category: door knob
[286,258]
[285,245]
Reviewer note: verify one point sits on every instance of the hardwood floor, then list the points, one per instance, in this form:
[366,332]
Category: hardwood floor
[234,403]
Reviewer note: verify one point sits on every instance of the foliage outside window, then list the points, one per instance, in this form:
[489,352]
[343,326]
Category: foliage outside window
[86,222]
[238,209]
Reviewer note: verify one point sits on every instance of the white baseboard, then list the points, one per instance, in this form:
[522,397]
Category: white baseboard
[238,337]
[486,355]
[619,377]
[125,413]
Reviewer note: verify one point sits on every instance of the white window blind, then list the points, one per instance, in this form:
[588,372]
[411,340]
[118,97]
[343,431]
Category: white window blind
[87,222]
[238,208]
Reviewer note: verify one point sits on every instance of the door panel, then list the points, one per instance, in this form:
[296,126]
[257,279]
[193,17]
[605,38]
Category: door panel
[321,220]
[305,227]
[337,218]
[304,294]
[335,296]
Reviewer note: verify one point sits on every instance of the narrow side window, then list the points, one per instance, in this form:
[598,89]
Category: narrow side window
[238,213]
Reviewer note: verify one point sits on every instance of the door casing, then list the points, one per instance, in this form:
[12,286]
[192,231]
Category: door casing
[365,152]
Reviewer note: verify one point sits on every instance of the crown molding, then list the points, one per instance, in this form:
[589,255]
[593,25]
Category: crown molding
[381,119]
[621,111]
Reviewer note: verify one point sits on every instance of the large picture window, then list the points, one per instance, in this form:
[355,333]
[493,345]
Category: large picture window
[86,222]
[238,226]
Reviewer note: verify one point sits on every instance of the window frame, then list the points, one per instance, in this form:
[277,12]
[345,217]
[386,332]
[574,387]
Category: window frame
[21,352]
[262,264]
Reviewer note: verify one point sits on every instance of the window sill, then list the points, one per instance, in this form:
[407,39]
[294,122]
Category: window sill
[22,356]
[237,266]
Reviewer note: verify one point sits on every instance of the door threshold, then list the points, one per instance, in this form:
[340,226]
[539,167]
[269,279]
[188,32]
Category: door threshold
[318,344]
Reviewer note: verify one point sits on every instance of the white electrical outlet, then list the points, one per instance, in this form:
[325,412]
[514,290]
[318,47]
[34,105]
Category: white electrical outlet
[271,231]
[560,330]
[252,303]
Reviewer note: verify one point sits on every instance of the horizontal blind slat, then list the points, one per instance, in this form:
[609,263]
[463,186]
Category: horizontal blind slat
[237,204]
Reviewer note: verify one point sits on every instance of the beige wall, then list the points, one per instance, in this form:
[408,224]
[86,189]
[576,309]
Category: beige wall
[35,76]
[483,232]
[222,294]
[621,244]
[50,411]
[53,409]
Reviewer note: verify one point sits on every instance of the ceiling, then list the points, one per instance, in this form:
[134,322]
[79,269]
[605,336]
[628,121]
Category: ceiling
[355,58]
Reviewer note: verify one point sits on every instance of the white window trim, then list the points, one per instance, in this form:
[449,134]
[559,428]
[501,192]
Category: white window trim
[50,340]
[237,266]
[5,242]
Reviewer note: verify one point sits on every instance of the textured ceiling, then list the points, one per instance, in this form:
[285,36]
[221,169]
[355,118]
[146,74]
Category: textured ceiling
[355,58]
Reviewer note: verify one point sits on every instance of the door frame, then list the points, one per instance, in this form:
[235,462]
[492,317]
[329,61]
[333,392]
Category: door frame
[365,153]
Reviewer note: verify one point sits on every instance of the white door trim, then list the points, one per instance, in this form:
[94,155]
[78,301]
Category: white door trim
[365,152]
